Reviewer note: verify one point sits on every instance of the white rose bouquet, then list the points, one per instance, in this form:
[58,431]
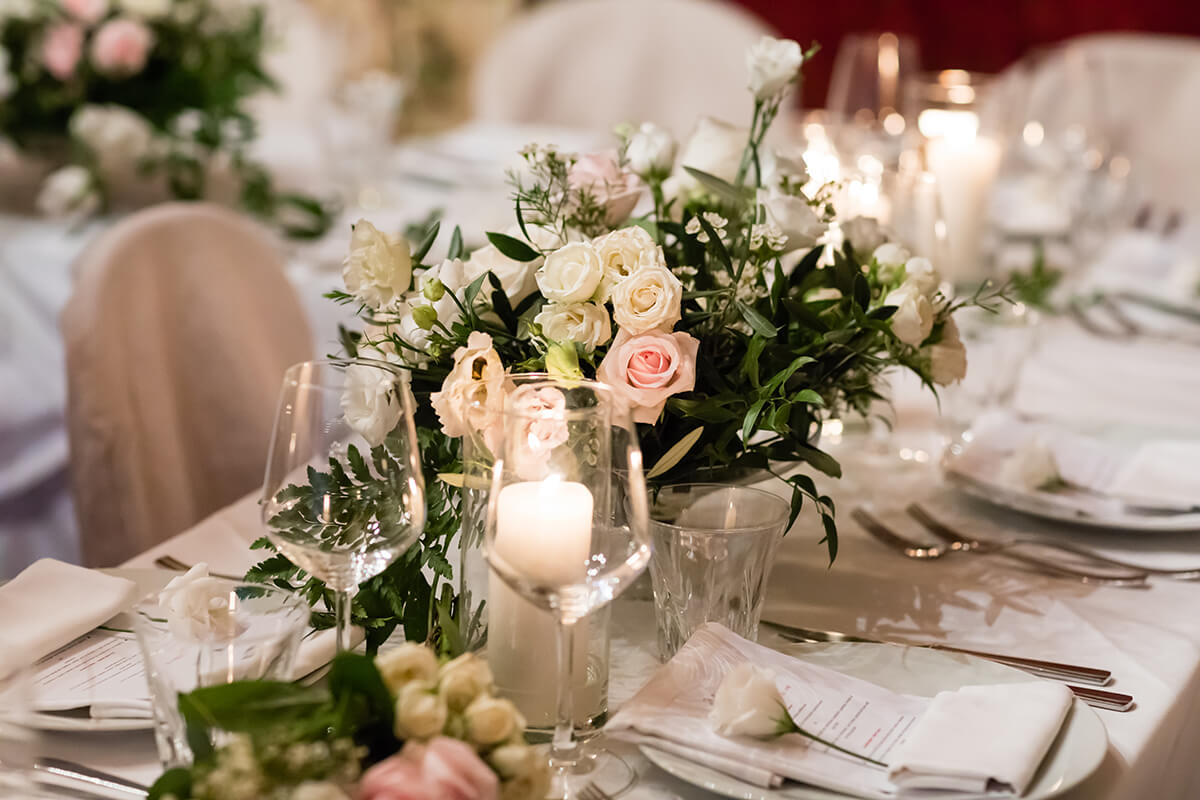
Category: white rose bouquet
[718,293]
[117,92]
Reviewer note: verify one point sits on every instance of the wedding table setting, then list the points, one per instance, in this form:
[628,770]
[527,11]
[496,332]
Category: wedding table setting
[629,467]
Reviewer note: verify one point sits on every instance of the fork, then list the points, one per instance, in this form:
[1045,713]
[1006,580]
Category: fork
[593,792]
[175,565]
[945,532]
[928,552]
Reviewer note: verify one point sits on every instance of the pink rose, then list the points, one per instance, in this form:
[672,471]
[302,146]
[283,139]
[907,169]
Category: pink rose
[542,426]
[646,369]
[612,187]
[88,11]
[443,769]
[61,50]
[120,47]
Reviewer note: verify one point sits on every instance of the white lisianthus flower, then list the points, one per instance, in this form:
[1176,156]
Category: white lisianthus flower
[585,323]
[773,65]
[913,319]
[621,253]
[571,274]
[793,216]
[492,720]
[369,401]
[146,9]
[714,147]
[651,150]
[777,165]
[864,235]
[478,376]
[463,679]
[69,192]
[920,273]
[891,255]
[748,703]
[119,136]
[948,358]
[399,666]
[516,277]
[649,299]
[421,712]
[1031,466]
[8,83]
[196,606]
[378,269]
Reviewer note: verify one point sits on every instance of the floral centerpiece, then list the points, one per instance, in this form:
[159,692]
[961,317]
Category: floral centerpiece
[719,293]
[114,91]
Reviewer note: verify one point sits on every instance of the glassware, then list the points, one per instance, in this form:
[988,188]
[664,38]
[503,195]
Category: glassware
[18,740]
[566,531]
[344,495]
[866,91]
[714,546]
[248,632]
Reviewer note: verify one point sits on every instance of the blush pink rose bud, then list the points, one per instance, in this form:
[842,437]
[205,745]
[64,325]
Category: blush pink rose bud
[88,11]
[616,189]
[443,769]
[121,46]
[61,50]
[646,369]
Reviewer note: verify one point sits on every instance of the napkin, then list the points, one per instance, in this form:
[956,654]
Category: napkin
[51,603]
[980,738]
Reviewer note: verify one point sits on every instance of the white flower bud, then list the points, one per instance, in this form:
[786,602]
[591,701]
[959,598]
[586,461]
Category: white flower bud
[420,711]
[408,662]
[491,720]
[462,680]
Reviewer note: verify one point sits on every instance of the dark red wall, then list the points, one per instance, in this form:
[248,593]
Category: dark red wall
[984,35]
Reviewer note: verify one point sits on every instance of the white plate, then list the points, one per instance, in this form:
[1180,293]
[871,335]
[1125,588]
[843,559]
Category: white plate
[1075,754]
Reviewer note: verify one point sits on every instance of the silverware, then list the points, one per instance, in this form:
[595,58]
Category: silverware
[927,552]
[944,531]
[175,565]
[1093,676]
[1097,698]
[59,772]
[593,792]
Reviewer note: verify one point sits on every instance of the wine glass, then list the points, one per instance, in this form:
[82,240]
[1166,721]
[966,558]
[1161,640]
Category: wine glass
[866,93]
[344,495]
[567,528]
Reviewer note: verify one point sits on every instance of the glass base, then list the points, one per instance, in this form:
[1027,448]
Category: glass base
[601,768]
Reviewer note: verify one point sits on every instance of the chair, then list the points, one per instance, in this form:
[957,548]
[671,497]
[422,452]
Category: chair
[594,63]
[177,336]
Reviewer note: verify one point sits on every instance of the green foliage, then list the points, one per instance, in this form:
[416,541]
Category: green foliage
[1035,288]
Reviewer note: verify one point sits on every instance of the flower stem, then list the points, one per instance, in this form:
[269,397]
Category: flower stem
[790,726]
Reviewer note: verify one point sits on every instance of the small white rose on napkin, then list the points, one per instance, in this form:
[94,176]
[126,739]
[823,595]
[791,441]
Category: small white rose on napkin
[1031,466]
[197,606]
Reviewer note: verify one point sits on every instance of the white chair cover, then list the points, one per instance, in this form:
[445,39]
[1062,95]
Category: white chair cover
[177,337]
[594,63]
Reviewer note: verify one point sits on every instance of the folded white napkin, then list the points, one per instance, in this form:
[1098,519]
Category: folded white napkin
[979,738]
[50,603]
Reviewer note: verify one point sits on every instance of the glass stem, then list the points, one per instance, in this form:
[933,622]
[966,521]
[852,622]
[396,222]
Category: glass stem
[564,750]
[343,601]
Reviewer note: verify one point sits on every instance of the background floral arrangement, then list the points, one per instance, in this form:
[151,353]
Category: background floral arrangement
[399,727]
[733,315]
[118,88]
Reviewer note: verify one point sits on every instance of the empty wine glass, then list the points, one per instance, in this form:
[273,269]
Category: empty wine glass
[344,495]
[568,530]
[866,93]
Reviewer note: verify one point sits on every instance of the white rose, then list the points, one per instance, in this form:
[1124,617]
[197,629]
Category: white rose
[318,790]
[472,396]
[516,277]
[571,273]
[920,273]
[715,147]
[890,254]
[118,136]
[1031,466]
[197,606]
[69,192]
[864,235]
[586,323]
[913,319]
[651,150]
[369,401]
[773,65]
[462,680]
[649,299]
[793,216]
[491,720]
[146,9]
[420,711]
[378,269]
[409,662]
[621,253]
[748,703]
[948,358]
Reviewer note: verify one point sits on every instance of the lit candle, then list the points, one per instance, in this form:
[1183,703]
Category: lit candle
[544,535]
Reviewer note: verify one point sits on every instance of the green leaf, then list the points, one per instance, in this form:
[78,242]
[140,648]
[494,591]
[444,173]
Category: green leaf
[244,707]
[472,291]
[675,454]
[781,377]
[807,264]
[513,248]
[749,365]
[810,396]
[358,464]
[349,344]
[456,244]
[862,292]
[715,244]
[820,459]
[501,305]
[831,536]
[751,420]
[761,325]
[426,243]
[706,410]
[175,782]
[719,186]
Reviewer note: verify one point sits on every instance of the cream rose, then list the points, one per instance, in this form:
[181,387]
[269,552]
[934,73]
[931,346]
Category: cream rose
[891,254]
[1031,466]
[646,369]
[585,323]
[793,216]
[378,269]
[69,192]
[118,136]
[196,606]
[622,253]
[864,235]
[409,662]
[948,358]
[491,720]
[919,272]
[649,299]
[571,274]
[773,65]
[463,679]
[472,396]
[369,401]
[748,703]
[651,150]
[913,319]
[420,711]
[615,189]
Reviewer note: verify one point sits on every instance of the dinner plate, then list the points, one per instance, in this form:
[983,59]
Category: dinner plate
[1075,754]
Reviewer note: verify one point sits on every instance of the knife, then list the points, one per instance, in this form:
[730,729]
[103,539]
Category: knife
[68,774]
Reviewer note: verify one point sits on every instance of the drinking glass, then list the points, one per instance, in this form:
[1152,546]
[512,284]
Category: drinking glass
[344,495]
[714,546]
[254,635]
[866,93]
[567,530]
